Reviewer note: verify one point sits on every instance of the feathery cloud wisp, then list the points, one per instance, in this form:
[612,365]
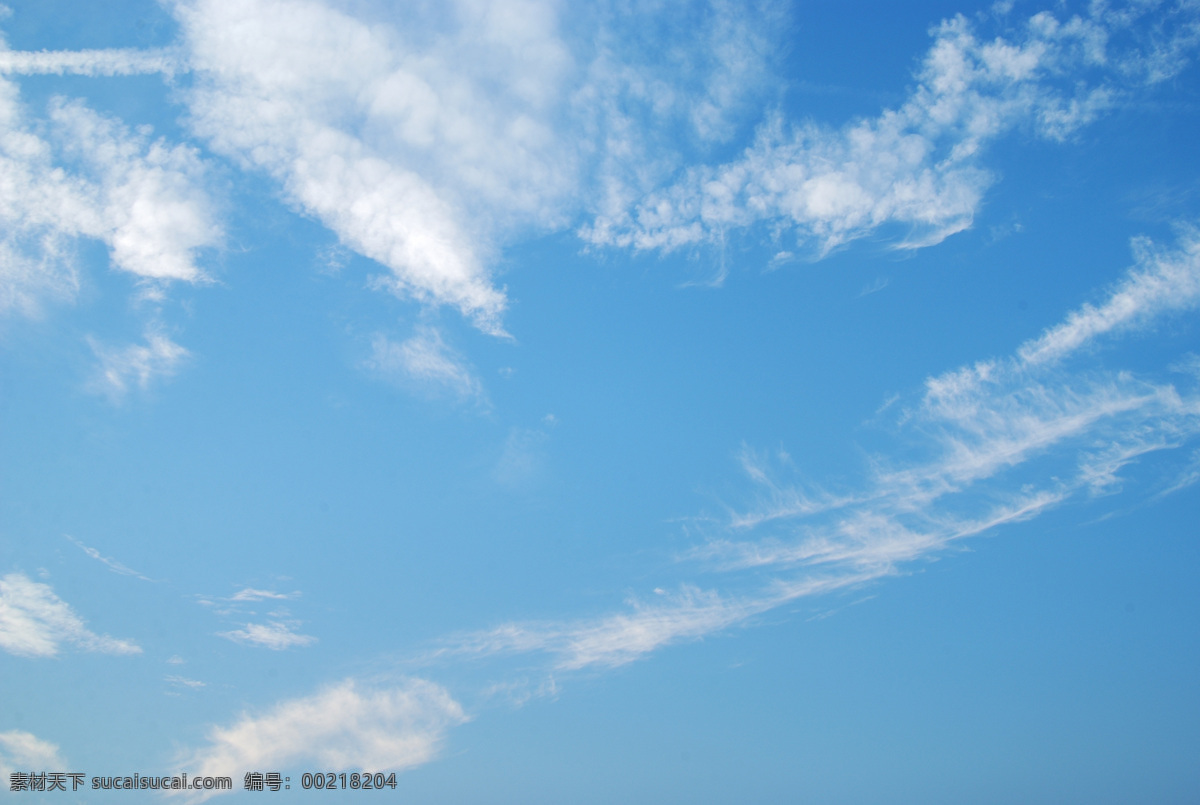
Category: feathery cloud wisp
[110,563]
[135,364]
[34,622]
[274,635]
[1006,440]
[427,363]
[251,594]
[107,62]
[1162,281]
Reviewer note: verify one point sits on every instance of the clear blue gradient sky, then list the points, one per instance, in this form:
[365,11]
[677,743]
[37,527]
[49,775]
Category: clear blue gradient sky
[631,402]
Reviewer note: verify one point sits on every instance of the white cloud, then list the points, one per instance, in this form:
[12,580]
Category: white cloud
[777,500]
[1187,477]
[40,211]
[871,542]
[414,155]
[274,635]
[469,124]
[662,84]
[184,682]
[135,364]
[1165,46]
[111,564]
[427,363]
[34,622]
[349,725]
[622,638]
[1005,439]
[155,211]
[24,751]
[109,62]
[38,270]
[917,167]
[875,287]
[610,641]
[94,178]
[251,594]
[998,443]
[519,692]
[480,121]
[1162,281]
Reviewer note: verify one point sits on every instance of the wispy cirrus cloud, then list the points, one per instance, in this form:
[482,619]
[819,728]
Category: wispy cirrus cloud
[34,622]
[1188,476]
[274,635]
[349,725]
[1161,282]
[1003,441]
[110,563]
[524,456]
[252,594]
[183,682]
[105,62]
[425,363]
[135,365]
[279,632]
[1006,439]
[610,641]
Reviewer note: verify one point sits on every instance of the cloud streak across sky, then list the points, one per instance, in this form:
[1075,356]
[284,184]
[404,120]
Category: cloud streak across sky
[1007,440]
[107,62]
[35,622]
[274,635]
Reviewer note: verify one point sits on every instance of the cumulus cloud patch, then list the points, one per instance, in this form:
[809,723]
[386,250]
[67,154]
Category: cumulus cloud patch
[414,156]
[348,725]
[917,166]
[92,177]
[430,163]
[24,751]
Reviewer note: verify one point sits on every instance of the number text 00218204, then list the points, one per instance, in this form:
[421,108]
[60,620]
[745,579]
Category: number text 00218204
[344,781]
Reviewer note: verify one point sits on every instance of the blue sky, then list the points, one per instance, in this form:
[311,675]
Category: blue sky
[696,402]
